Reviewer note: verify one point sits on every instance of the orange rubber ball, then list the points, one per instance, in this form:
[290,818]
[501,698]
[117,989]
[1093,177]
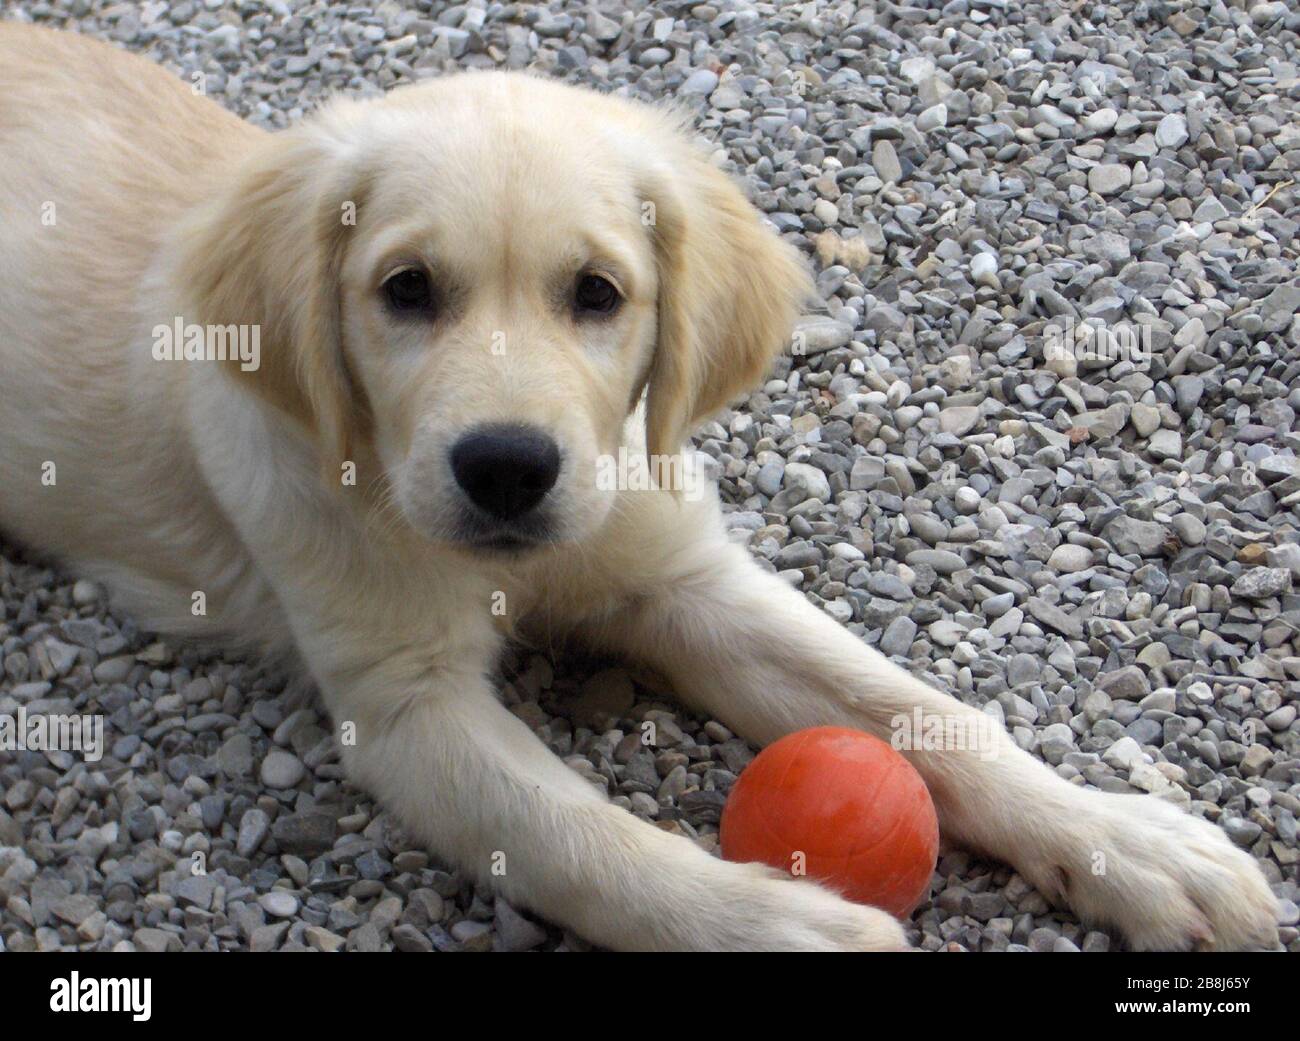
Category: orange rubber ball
[840,806]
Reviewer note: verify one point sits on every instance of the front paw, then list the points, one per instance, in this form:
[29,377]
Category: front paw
[764,910]
[1164,879]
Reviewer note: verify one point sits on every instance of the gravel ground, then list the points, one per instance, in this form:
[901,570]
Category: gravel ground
[1101,555]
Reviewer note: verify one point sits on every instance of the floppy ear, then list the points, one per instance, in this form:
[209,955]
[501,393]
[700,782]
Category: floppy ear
[267,253]
[729,293]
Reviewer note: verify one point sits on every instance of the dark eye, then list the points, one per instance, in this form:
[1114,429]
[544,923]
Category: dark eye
[409,290]
[595,295]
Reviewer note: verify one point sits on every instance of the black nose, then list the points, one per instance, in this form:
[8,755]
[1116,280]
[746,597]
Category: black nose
[505,470]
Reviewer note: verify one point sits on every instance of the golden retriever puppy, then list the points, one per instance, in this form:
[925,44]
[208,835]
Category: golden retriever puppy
[438,311]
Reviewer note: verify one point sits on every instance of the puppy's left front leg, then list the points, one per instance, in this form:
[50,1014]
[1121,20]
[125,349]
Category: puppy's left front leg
[741,644]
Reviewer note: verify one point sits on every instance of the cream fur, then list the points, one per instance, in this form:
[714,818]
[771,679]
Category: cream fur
[176,477]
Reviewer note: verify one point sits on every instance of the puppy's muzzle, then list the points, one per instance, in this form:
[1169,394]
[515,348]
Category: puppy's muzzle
[505,470]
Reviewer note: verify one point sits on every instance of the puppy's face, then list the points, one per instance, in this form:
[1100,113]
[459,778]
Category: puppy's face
[478,277]
[499,310]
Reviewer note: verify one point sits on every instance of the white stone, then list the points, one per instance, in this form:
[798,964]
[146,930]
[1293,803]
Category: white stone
[1068,558]
[1100,122]
[1171,132]
[809,480]
[1109,178]
[959,420]
[1123,753]
[984,270]
[932,118]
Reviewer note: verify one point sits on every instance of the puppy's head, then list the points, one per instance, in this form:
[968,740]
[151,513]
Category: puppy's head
[475,279]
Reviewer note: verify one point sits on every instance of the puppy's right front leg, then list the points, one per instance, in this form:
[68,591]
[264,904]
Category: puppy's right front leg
[473,782]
